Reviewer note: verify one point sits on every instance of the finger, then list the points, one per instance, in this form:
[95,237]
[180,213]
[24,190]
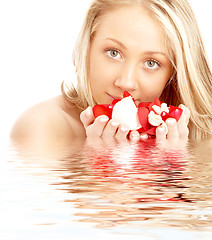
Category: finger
[96,129]
[87,117]
[134,135]
[110,129]
[109,142]
[183,122]
[144,136]
[99,144]
[183,127]
[122,132]
[186,113]
[95,144]
[161,132]
[172,129]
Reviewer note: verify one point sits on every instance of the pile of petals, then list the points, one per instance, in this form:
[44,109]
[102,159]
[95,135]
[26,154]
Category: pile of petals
[145,118]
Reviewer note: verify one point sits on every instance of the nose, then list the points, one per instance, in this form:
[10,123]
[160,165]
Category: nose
[126,79]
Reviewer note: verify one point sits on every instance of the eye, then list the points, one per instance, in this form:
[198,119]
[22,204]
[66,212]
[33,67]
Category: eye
[113,53]
[152,64]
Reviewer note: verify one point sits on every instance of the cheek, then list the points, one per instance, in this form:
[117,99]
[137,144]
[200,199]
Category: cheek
[98,78]
[100,72]
[153,85]
[152,91]
[94,71]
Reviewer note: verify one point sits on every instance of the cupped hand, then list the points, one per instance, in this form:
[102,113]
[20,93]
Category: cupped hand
[102,127]
[175,130]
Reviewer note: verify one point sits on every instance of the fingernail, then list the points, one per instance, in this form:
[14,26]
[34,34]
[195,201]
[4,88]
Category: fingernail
[144,136]
[161,129]
[135,135]
[88,112]
[182,107]
[171,121]
[115,124]
[124,129]
[103,119]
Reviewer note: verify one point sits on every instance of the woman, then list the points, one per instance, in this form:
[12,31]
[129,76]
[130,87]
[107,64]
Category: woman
[150,48]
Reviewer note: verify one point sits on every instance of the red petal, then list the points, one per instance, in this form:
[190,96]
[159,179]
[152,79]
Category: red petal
[157,102]
[126,94]
[176,113]
[103,109]
[115,101]
[164,115]
[151,131]
[143,117]
[150,106]
[172,108]
[144,104]
[140,130]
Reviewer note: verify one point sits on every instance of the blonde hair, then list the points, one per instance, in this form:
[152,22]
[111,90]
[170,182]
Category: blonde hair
[191,83]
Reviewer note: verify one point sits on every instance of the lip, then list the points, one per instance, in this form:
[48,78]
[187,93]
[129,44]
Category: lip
[111,97]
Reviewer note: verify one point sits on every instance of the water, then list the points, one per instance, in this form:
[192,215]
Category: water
[144,190]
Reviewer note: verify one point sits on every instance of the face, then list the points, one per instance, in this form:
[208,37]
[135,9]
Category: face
[128,54]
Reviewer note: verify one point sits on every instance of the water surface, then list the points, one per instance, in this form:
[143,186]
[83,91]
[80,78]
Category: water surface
[128,190]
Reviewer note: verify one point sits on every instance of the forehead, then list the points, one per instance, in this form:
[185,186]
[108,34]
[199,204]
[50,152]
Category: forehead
[131,24]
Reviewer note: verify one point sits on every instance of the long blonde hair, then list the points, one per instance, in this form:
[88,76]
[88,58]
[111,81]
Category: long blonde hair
[191,83]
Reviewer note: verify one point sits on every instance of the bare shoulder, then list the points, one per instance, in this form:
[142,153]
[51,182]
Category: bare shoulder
[51,119]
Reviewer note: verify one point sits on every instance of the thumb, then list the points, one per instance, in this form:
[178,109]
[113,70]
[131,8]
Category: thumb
[87,117]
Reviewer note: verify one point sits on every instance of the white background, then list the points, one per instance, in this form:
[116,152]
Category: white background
[36,42]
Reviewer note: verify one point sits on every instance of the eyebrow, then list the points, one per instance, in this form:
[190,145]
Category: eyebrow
[147,52]
[116,41]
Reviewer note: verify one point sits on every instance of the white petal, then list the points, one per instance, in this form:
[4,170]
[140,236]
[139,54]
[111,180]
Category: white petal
[157,109]
[164,107]
[155,119]
[125,112]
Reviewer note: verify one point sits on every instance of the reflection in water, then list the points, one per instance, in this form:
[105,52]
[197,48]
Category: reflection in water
[139,185]
[139,182]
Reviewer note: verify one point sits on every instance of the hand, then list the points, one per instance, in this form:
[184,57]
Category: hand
[175,130]
[102,127]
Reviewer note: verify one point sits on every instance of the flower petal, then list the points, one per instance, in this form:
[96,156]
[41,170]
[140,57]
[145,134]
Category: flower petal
[127,94]
[144,104]
[164,115]
[115,101]
[151,131]
[143,113]
[125,112]
[176,113]
[157,102]
[103,109]
[155,119]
